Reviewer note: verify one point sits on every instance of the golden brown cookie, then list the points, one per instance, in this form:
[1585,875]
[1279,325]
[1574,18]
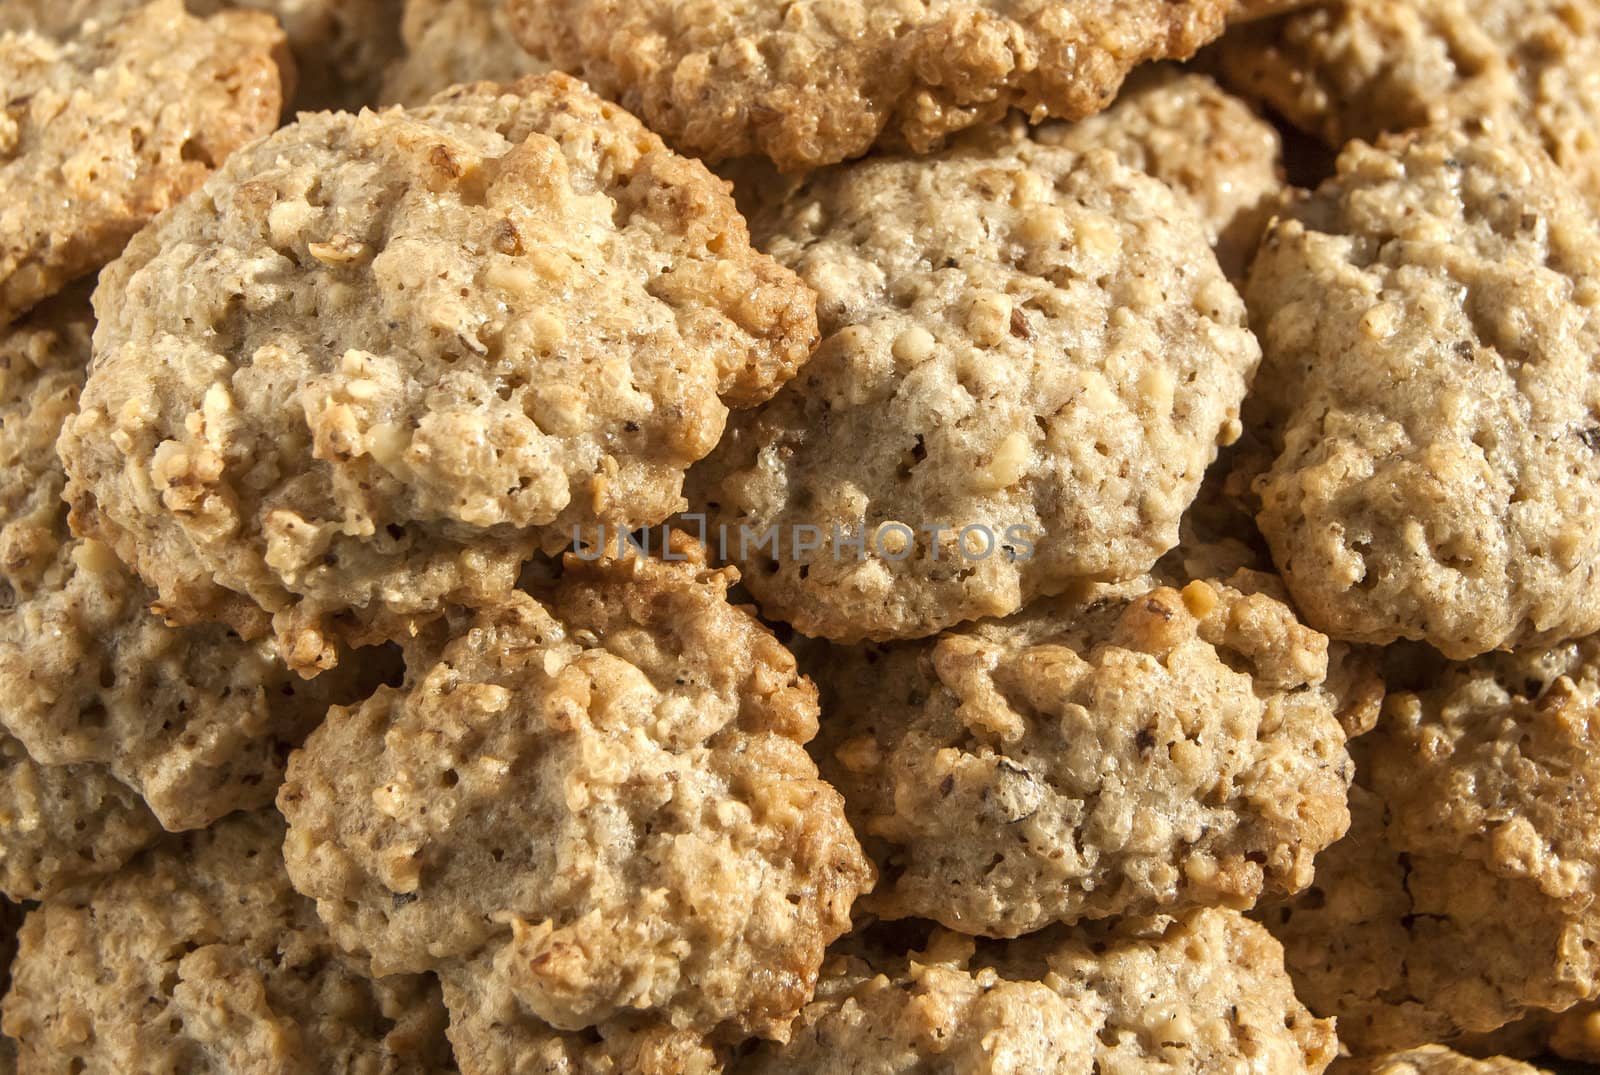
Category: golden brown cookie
[199,957]
[194,719]
[1123,750]
[819,81]
[1030,358]
[382,358]
[1433,1060]
[107,124]
[454,41]
[1464,895]
[1203,142]
[1429,321]
[62,824]
[1357,68]
[585,814]
[1202,993]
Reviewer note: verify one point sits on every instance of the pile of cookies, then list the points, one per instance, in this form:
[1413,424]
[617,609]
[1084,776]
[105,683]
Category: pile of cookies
[700,536]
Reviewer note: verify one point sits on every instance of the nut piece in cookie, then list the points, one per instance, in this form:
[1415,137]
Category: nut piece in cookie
[1030,359]
[1182,128]
[1201,993]
[1129,750]
[448,42]
[813,82]
[584,814]
[199,957]
[104,126]
[1430,321]
[381,358]
[195,719]
[1464,895]
[1358,68]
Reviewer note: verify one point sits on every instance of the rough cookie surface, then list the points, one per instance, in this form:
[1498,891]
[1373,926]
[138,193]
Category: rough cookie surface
[381,358]
[1022,342]
[1357,68]
[197,721]
[594,811]
[819,81]
[1432,1060]
[1206,144]
[1127,751]
[1463,896]
[105,126]
[454,41]
[1064,1003]
[199,957]
[1429,326]
[61,824]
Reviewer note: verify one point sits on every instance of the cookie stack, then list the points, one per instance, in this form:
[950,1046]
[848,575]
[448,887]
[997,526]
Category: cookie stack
[692,537]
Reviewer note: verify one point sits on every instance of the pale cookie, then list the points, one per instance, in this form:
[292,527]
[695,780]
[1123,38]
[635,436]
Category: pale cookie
[380,359]
[1429,389]
[1357,68]
[1432,1060]
[1206,144]
[1030,358]
[591,812]
[1464,895]
[197,721]
[62,824]
[104,127]
[1201,994]
[1130,750]
[199,957]
[342,48]
[454,41]
[818,81]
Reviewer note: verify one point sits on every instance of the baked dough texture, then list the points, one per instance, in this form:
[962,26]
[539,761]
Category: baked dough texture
[107,124]
[1430,389]
[449,42]
[379,359]
[195,720]
[1205,992]
[199,957]
[1358,68]
[62,824]
[1019,340]
[819,81]
[1202,141]
[1433,1060]
[586,814]
[1464,895]
[1129,750]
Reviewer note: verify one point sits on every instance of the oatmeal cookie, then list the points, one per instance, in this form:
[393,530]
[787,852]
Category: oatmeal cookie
[1030,358]
[380,359]
[1432,1060]
[449,42]
[341,47]
[199,957]
[818,81]
[591,812]
[1202,993]
[62,824]
[1358,68]
[1464,895]
[1206,144]
[105,126]
[1430,392]
[1128,750]
[194,719]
